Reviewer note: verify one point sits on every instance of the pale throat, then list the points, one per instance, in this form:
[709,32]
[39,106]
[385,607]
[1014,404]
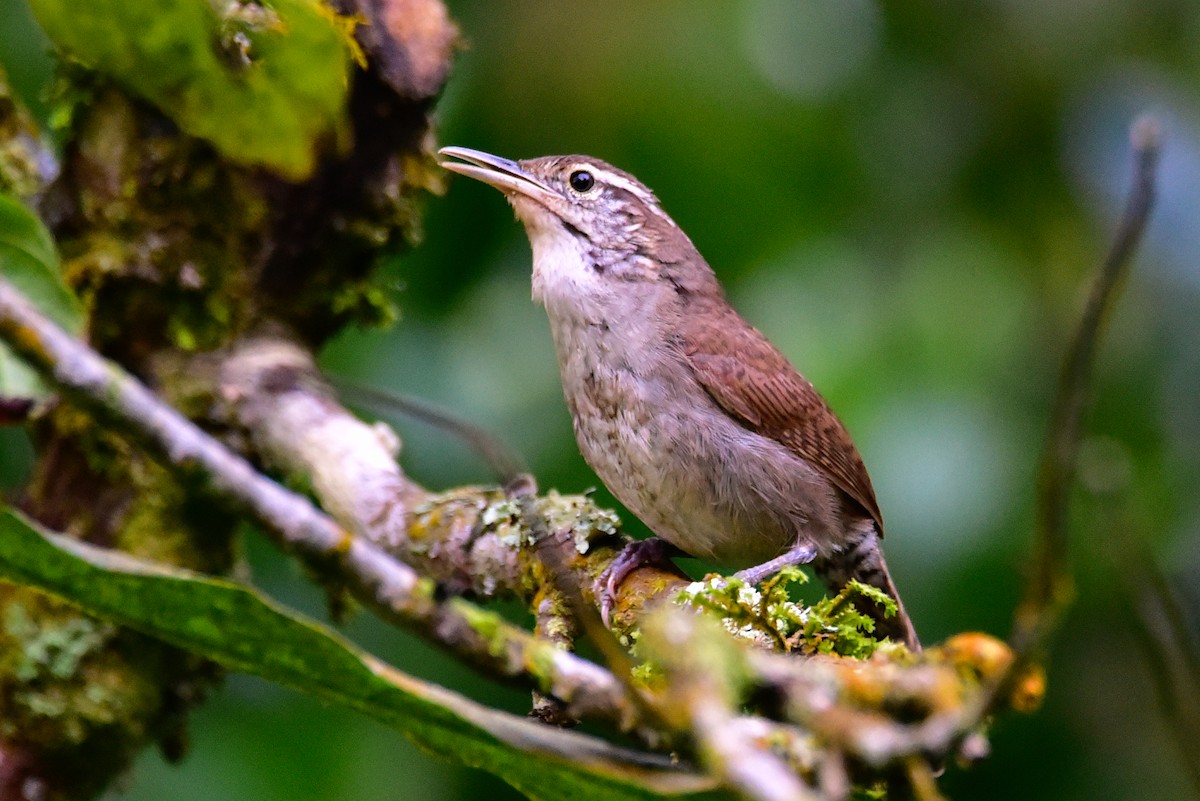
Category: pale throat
[563,279]
[582,301]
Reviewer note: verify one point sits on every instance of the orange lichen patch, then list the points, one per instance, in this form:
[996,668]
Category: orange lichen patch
[25,340]
[860,683]
[981,653]
[643,585]
[345,541]
[988,657]
[1029,690]
[896,680]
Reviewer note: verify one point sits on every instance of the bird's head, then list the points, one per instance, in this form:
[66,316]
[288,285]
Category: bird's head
[590,225]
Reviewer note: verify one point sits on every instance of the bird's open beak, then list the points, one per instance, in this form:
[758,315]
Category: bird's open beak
[507,176]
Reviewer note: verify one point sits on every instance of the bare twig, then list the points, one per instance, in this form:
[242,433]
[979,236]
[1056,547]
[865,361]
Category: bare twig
[878,741]
[1049,586]
[505,463]
[386,585]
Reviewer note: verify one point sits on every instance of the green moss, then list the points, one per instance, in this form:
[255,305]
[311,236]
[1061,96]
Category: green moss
[831,626]
[161,231]
[488,625]
[104,453]
[85,694]
[166,233]
[835,626]
[168,522]
[425,590]
[50,650]
[366,303]
[174,247]
[541,664]
[70,92]
[61,679]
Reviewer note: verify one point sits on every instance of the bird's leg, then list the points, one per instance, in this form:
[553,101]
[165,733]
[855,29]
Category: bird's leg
[650,551]
[801,553]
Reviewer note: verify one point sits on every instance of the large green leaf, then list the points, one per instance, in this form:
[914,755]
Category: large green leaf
[264,82]
[239,628]
[29,261]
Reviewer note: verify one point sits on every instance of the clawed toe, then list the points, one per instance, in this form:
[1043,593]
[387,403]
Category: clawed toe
[635,554]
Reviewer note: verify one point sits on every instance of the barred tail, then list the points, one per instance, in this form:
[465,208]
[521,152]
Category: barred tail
[862,559]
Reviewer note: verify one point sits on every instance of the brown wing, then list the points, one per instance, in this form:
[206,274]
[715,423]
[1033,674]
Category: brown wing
[749,378]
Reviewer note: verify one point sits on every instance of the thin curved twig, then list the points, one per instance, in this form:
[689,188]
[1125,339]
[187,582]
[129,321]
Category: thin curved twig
[1049,585]
[504,462]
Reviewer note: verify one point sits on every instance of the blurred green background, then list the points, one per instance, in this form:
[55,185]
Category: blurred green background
[909,199]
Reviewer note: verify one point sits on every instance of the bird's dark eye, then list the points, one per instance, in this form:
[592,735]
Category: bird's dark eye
[582,180]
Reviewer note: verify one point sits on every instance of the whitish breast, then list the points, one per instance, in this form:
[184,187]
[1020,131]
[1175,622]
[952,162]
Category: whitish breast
[658,442]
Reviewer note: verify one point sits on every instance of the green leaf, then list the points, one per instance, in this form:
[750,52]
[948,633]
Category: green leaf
[265,82]
[241,629]
[29,261]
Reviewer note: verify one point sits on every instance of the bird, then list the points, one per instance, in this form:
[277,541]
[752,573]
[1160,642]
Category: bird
[694,421]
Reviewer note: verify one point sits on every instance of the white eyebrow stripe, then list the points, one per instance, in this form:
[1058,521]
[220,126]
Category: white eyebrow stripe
[639,191]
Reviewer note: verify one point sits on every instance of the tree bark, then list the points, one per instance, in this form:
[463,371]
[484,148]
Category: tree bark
[175,250]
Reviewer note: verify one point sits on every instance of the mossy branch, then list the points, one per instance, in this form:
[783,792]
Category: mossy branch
[396,591]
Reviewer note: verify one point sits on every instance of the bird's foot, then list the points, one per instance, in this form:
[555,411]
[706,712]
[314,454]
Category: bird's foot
[799,554]
[649,551]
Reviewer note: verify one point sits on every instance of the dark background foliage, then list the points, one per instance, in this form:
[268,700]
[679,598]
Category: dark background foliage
[908,198]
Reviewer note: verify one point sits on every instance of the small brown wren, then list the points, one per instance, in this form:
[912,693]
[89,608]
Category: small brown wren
[693,420]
